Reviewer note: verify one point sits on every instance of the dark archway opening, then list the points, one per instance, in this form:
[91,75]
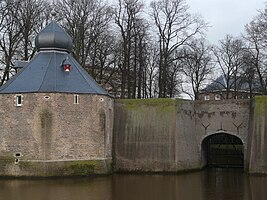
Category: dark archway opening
[223,150]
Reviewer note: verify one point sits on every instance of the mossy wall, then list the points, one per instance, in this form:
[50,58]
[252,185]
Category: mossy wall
[24,168]
[258,137]
[186,137]
[166,135]
[146,137]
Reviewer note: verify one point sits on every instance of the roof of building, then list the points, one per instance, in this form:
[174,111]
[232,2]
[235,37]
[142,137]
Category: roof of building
[220,84]
[53,37]
[46,73]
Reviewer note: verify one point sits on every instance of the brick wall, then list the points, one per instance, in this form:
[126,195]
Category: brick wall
[51,127]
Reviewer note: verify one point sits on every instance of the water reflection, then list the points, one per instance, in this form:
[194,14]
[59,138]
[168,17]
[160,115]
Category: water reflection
[63,189]
[212,184]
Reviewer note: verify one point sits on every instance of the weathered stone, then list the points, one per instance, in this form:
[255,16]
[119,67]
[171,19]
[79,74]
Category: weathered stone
[45,131]
[167,134]
[258,138]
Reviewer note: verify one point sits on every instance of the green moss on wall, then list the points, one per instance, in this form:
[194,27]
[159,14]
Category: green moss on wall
[102,119]
[161,104]
[46,118]
[260,105]
[26,168]
[32,168]
[84,167]
[7,159]
[77,168]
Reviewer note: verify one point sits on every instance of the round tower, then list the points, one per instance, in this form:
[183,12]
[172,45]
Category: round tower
[57,120]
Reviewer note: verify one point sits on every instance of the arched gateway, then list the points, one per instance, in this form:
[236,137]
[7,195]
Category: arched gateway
[222,150]
[177,135]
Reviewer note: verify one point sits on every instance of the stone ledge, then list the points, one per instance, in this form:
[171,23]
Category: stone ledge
[33,168]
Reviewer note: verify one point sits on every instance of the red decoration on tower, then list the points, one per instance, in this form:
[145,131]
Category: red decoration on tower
[66,67]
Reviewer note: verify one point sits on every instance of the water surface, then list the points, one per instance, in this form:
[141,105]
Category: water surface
[211,184]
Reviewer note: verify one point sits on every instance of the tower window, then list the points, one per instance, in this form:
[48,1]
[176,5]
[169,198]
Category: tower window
[217,97]
[18,100]
[76,99]
[66,67]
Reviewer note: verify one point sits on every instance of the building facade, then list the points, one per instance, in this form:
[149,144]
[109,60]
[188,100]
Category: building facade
[55,119]
[235,89]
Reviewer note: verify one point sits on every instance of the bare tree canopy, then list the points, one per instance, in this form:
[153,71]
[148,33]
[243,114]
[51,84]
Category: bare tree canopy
[175,26]
[20,21]
[132,29]
[229,56]
[196,65]
[256,36]
[115,43]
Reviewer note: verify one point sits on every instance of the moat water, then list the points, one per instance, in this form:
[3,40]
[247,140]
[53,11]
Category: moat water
[210,184]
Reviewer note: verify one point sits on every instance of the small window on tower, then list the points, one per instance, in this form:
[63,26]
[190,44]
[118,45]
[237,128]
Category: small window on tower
[76,99]
[67,67]
[217,97]
[18,100]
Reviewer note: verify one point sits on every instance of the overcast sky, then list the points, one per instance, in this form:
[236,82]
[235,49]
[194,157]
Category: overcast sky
[226,16]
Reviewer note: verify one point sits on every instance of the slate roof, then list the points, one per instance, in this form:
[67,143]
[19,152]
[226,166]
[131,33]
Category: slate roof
[53,37]
[45,72]
[220,84]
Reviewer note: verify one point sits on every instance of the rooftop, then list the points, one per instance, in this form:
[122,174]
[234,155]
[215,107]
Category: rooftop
[53,69]
[220,84]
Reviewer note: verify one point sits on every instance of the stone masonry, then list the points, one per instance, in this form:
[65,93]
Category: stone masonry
[50,128]
[166,135]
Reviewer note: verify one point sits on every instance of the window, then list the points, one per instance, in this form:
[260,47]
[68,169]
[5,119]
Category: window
[207,97]
[66,67]
[217,97]
[76,99]
[46,98]
[16,161]
[18,100]
[17,154]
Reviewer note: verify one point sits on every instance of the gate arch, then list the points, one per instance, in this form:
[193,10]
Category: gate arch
[222,149]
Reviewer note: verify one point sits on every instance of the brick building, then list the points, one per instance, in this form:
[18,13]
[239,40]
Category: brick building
[237,89]
[55,119]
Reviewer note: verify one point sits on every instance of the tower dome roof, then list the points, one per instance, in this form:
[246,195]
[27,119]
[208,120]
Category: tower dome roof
[53,69]
[53,37]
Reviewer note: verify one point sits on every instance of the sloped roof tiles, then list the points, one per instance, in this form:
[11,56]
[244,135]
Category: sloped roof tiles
[45,72]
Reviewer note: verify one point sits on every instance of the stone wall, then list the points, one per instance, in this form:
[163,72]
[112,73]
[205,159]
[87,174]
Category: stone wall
[167,134]
[146,139]
[50,128]
[49,135]
[224,116]
[186,150]
[144,135]
[258,138]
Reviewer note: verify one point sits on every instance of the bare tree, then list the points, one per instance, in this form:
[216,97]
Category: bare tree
[196,65]
[152,70]
[130,25]
[10,37]
[229,56]
[175,26]
[20,22]
[104,56]
[248,72]
[85,21]
[256,35]
[89,24]
[30,17]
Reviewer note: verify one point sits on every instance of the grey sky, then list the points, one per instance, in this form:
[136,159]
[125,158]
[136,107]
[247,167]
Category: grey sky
[226,16]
